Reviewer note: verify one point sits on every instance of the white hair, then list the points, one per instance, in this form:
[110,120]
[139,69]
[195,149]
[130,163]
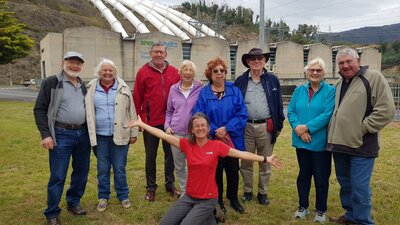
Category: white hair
[186,63]
[102,62]
[318,61]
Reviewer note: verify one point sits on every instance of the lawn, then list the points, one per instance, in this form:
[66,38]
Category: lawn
[25,171]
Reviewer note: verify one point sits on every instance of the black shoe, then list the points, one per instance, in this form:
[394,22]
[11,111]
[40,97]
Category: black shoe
[53,221]
[263,199]
[247,196]
[237,206]
[76,210]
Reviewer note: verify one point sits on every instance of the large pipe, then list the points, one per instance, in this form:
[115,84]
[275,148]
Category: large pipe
[140,27]
[178,16]
[178,32]
[115,24]
[148,16]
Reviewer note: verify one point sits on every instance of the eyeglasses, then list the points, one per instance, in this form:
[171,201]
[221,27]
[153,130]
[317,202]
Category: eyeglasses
[254,58]
[315,70]
[219,70]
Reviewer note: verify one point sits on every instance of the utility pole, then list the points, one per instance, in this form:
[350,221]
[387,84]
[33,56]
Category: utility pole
[262,25]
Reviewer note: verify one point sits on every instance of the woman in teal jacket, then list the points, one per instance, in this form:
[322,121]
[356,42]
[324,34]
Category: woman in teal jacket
[309,112]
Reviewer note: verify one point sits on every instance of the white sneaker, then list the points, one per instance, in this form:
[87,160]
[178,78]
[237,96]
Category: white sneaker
[102,206]
[126,204]
[320,217]
[301,213]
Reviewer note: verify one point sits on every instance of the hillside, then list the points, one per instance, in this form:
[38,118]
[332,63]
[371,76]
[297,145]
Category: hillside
[44,16]
[370,35]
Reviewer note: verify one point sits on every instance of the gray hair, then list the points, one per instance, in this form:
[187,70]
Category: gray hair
[187,63]
[347,51]
[103,62]
[159,43]
[318,61]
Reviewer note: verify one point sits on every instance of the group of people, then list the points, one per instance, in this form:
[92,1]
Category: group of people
[206,129]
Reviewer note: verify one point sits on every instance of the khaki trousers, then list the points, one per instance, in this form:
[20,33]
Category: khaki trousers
[257,141]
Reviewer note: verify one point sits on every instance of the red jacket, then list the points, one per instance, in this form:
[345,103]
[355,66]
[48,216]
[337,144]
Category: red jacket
[150,92]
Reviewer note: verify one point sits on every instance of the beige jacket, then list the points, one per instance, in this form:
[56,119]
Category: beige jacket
[124,112]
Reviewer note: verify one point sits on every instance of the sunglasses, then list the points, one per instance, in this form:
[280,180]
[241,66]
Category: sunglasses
[254,58]
[314,70]
[219,70]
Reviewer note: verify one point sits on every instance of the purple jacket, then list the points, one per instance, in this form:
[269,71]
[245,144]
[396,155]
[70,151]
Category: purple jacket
[179,108]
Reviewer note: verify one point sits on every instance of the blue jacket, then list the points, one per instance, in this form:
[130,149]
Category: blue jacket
[315,114]
[230,111]
[272,90]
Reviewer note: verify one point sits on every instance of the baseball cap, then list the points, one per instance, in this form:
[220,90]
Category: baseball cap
[77,55]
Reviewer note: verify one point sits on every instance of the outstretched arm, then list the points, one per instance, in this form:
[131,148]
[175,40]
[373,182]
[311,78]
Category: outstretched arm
[155,131]
[253,157]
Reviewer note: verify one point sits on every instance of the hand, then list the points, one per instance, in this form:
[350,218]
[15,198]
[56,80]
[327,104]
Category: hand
[133,140]
[306,137]
[221,132]
[47,143]
[300,129]
[169,130]
[136,123]
[273,159]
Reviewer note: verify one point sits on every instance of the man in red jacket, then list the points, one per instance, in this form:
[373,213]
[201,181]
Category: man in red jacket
[150,94]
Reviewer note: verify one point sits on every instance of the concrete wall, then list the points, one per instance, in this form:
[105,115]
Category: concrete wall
[143,43]
[289,60]
[94,43]
[130,54]
[205,49]
[371,57]
[324,52]
[51,53]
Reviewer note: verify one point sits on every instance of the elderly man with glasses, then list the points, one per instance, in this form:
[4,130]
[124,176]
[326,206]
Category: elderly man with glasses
[263,100]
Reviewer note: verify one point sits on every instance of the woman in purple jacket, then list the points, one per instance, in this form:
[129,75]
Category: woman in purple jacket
[181,100]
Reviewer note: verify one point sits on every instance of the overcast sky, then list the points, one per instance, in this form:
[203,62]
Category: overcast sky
[329,15]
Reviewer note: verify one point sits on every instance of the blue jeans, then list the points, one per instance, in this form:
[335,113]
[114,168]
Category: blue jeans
[354,175]
[109,154]
[73,143]
[317,165]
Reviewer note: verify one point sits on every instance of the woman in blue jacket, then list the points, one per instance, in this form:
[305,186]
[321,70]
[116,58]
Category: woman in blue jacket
[309,112]
[223,103]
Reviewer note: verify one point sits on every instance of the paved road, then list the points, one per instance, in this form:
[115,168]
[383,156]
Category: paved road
[18,93]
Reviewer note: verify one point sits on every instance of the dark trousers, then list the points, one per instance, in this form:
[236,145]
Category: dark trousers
[231,166]
[151,145]
[317,165]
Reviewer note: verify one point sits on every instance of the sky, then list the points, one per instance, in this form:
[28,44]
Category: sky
[328,15]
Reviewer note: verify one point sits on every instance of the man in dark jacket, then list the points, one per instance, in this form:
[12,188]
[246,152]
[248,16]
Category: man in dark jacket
[60,117]
[263,99]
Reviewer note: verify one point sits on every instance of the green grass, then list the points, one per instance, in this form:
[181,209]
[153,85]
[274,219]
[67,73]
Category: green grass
[24,175]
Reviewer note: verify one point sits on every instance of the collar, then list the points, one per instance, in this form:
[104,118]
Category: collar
[151,64]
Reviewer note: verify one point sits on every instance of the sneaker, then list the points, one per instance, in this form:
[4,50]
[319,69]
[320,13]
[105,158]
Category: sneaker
[126,204]
[219,214]
[53,221]
[301,213]
[102,206]
[320,217]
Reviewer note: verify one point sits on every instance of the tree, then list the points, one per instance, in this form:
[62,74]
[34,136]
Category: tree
[13,43]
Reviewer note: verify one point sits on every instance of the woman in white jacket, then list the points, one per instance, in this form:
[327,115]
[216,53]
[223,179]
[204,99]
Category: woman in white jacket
[109,108]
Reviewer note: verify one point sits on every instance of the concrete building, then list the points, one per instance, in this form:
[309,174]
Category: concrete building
[287,59]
